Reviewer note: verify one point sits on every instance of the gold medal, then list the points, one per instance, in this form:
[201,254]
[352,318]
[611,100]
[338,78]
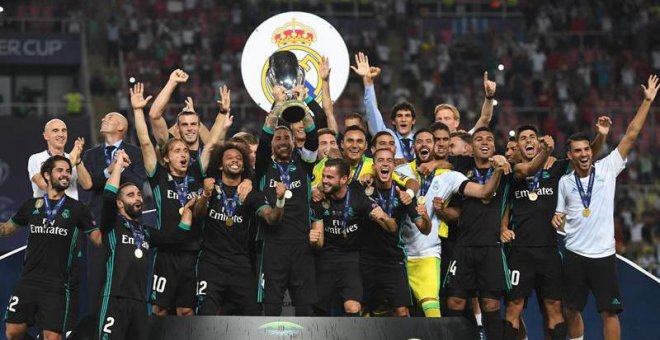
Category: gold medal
[39,203]
[343,233]
[181,211]
[533,196]
[586,212]
[138,253]
[421,200]
[230,221]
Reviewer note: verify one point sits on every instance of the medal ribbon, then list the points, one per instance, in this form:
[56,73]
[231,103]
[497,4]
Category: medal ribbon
[347,208]
[181,190]
[533,185]
[52,213]
[389,206]
[357,171]
[136,229]
[407,153]
[228,204]
[586,196]
[425,181]
[482,179]
[284,174]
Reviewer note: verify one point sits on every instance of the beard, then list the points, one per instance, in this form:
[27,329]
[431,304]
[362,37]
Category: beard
[132,211]
[333,189]
[60,187]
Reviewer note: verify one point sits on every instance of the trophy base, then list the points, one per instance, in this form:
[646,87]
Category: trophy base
[293,112]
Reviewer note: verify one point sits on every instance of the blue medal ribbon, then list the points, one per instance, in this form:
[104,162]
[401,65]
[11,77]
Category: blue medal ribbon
[52,213]
[136,230]
[356,174]
[425,181]
[228,204]
[284,174]
[182,190]
[483,179]
[407,153]
[347,208]
[586,196]
[533,185]
[389,205]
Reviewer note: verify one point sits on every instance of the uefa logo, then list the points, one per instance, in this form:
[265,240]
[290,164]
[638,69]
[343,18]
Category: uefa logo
[309,37]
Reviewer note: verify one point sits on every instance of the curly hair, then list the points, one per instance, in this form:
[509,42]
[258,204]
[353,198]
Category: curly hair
[215,161]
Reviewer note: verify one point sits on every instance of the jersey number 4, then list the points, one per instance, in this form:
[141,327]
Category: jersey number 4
[452,267]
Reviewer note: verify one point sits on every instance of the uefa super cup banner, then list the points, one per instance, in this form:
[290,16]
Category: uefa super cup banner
[308,37]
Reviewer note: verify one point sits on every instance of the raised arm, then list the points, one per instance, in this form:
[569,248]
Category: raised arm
[75,156]
[223,122]
[273,215]
[368,73]
[326,99]
[202,203]
[109,209]
[487,190]
[311,146]
[158,123]
[602,130]
[487,107]
[629,139]
[526,169]
[138,102]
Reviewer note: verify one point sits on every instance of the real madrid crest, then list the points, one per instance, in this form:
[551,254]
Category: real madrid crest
[308,37]
[39,203]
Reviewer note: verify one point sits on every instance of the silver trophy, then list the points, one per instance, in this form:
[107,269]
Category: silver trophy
[284,70]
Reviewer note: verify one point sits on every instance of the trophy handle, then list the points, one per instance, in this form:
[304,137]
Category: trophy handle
[300,79]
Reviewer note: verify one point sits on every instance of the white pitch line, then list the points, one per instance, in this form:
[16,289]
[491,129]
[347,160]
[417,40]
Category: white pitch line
[19,249]
[13,252]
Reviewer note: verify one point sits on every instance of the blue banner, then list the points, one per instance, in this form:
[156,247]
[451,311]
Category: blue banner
[39,49]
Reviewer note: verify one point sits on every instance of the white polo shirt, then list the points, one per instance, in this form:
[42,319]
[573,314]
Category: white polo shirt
[591,236]
[445,185]
[34,167]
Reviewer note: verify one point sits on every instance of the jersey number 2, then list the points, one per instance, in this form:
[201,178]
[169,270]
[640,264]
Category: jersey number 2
[13,301]
[109,322]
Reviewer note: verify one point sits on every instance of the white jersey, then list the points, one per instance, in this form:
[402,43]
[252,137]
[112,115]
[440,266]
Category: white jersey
[444,185]
[34,167]
[591,236]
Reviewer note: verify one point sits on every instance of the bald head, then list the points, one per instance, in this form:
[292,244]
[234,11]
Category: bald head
[55,134]
[54,122]
[114,124]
